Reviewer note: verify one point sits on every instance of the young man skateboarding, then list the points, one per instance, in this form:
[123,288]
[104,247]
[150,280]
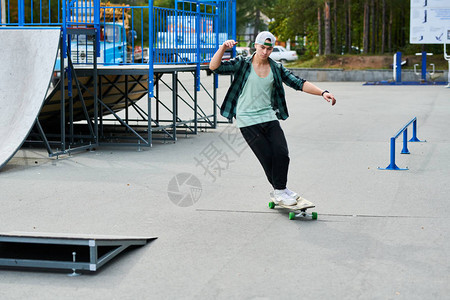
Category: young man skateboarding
[256,99]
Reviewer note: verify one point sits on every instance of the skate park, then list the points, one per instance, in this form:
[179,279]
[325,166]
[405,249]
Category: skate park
[380,233]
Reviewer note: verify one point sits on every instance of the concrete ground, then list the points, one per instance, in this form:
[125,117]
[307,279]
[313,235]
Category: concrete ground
[380,234]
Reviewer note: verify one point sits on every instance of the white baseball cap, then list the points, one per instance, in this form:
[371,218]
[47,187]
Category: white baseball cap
[262,38]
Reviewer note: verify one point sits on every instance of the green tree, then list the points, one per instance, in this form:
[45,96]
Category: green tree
[250,14]
[374,26]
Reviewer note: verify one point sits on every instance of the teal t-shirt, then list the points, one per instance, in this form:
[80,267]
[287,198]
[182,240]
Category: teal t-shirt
[254,105]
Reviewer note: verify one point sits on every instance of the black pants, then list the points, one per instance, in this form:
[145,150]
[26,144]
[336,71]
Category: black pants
[269,144]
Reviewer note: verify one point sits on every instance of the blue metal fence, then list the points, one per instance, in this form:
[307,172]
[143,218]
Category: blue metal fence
[184,36]
[31,12]
[189,33]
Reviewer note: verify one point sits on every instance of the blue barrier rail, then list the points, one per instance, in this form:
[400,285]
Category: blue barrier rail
[404,131]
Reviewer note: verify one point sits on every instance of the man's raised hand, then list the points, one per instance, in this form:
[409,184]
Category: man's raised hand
[229,44]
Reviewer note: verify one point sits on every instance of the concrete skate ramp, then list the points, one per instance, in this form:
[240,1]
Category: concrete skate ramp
[27,58]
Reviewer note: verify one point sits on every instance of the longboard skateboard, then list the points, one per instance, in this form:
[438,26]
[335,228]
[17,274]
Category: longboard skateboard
[298,210]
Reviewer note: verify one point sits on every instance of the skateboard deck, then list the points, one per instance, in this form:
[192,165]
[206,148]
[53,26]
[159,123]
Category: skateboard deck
[298,210]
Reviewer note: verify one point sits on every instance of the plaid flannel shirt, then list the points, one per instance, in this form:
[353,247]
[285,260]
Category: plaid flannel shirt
[240,68]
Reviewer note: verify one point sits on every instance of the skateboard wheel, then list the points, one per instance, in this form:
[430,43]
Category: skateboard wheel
[271,205]
[314,215]
[291,215]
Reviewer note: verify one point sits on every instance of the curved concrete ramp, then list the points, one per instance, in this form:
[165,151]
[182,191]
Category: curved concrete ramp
[27,57]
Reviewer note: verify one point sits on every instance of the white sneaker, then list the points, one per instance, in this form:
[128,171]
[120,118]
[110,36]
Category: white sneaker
[292,194]
[280,197]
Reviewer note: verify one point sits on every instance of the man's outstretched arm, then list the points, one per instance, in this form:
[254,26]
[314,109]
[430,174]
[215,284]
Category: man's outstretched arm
[310,88]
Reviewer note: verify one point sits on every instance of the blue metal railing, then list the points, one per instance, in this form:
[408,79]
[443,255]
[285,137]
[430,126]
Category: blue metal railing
[184,37]
[189,33]
[404,131]
[32,12]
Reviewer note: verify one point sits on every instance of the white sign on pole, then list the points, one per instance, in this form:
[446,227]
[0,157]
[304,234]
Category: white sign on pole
[430,22]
